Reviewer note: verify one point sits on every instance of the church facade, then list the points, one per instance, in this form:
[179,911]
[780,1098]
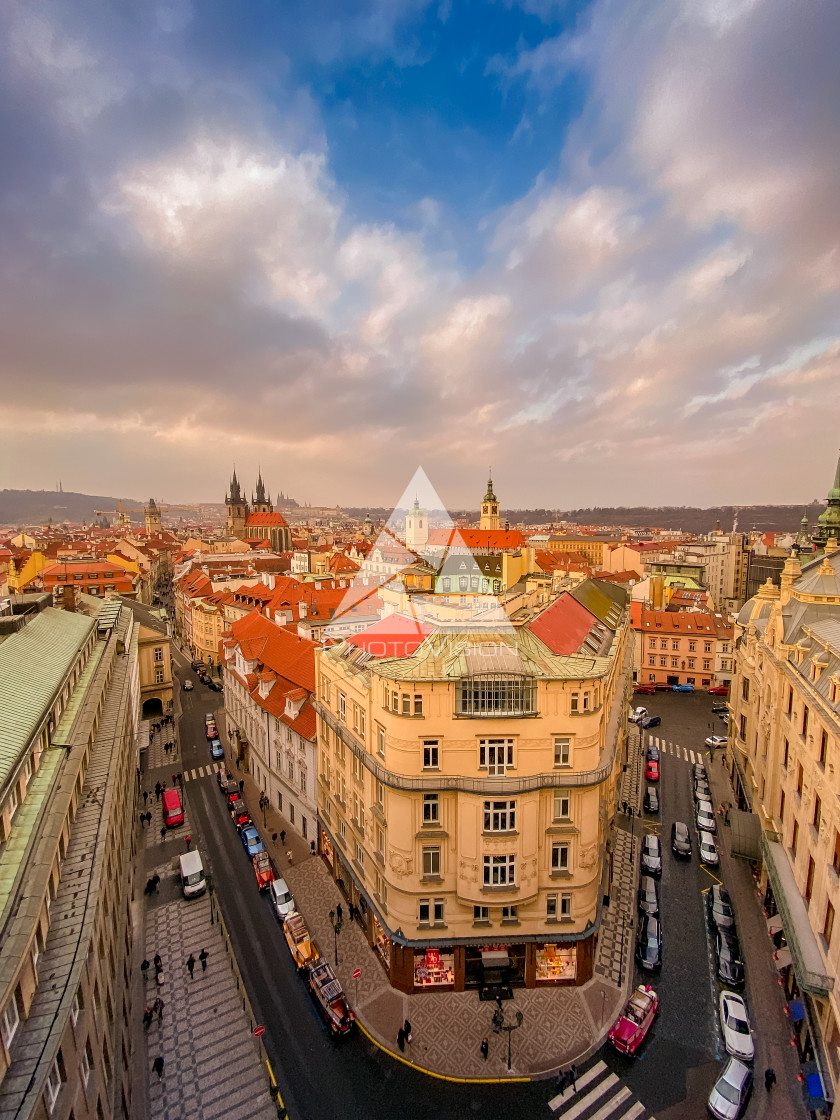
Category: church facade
[257,521]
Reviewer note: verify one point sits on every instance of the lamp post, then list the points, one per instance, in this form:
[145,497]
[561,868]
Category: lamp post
[336,925]
[509,1027]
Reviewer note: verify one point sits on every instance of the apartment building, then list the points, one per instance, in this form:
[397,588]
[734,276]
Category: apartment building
[466,785]
[784,740]
[69,700]
[683,647]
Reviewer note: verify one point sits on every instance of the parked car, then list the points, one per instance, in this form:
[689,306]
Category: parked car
[662,686]
[650,721]
[637,714]
[240,815]
[652,771]
[719,908]
[326,990]
[209,717]
[720,709]
[652,753]
[173,810]
[735,1026]
[216,749]
[300,943]
[251,840]
[730,966]
[649,942]
[281,898]
[196,665]
[651,856]
[719,690]
[648,896]
[188,686]
[211,731]
[651,800]
[263,870]
[683,688]
[725,717]
[705,818]
[699,772]
[707,850]
[716,741]
[645,689]
[702,791]
[680,840]
[630,1030]
[731,1091]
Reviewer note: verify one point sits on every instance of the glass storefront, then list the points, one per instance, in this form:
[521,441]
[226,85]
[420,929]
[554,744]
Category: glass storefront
[381,942]
[555,963]
[326,848]
[433,968]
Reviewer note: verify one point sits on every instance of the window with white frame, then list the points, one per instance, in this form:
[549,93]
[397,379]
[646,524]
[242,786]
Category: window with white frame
[360,855]
[481,914]
[562,750]
[551,908]
[430,755]
[55,1079]
[423,911]
[499,871]
[406,704]
[379,793]
[431,863]
[158,653]
[76,1006]
[86,1062]
[438,912]
[565,906]
[495,756]
[559,857]
[9,1021]
[342,707]
[362,723]
[380,741]
[575,702]
[510,914]
[431,808]
[561,805]
[418,704]
[499,816]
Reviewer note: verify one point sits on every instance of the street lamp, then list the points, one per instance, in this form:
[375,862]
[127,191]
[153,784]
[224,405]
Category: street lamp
[509,1027]
[336,925]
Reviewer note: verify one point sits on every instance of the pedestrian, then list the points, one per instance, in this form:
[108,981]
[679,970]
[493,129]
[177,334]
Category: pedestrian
[180,779]
[163,833]
[158,962]
[484,1048]
[274,837]
[289,855]
[498,1001]
[149,817]
[282,836]
[189,841]
[174,777]
[147,1018]
[157,1066]
[339,913]
[156,881]
[236,760]
[157,792]
[142,820]
[202,956]
[498,1019]
[312,847]
[401,1039]
[769,1078]
[407,1029]
[144,968]
[157,1007]
[241,784]
[573,1076]
[190,964]
[145,796]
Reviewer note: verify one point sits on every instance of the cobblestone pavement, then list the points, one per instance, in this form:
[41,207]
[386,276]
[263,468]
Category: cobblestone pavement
[211,1068]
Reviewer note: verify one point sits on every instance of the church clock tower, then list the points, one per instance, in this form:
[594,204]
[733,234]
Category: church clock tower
[237,510]
[489,508]
[152,519]
[416,527]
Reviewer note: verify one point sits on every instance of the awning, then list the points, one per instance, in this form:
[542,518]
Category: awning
[774,924]
[797,1010]
[782,958]
[802,942]
[745,834]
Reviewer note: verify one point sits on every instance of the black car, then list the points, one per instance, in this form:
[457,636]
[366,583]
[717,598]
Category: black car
[648,896]
[652,753]
[651,721]
[651,800]
[680,840]
[730,967]
[214,685]
[649,942]
[651,856]
[719,909]
[196,665]
[720,709]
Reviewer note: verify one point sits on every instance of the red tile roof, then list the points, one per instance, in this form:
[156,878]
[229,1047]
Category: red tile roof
[392,636]
[266,519]
[563,626]
[498,540]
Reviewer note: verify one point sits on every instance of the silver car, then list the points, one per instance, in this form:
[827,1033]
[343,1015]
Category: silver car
[708,849]
[706,817]
[731,1091]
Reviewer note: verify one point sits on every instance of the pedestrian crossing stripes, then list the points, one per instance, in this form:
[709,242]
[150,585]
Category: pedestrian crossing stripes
[202,771]
[598,1095]
[682,753]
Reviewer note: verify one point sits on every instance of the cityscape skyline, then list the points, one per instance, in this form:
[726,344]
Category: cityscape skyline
[551,237]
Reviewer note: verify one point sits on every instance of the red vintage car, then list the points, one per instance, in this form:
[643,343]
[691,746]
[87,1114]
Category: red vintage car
[330,998]
[719,690]
[652,770]
[631,1029]
[645,689]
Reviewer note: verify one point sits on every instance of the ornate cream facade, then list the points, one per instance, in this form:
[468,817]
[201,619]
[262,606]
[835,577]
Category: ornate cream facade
[466,788]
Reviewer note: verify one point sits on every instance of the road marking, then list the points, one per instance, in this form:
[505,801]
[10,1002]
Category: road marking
[636,1111]
[192,773]
[711,876]
[586,1102]
[692,756]
[611,1105]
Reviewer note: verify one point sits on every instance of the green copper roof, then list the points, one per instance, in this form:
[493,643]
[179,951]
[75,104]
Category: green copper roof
[834,492]
[33,665]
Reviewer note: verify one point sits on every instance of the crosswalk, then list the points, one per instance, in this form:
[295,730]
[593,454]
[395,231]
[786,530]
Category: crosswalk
[682,753]
[598,1095]
[203,771]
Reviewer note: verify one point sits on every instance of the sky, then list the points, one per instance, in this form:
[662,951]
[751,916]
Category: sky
[595,245]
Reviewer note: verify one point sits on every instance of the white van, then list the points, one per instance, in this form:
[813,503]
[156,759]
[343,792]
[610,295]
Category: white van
[281,899]
[192,875]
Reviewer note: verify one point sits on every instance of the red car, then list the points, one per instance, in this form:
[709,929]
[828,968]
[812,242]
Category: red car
[645,689]
[652,770]
[628,1034]
[719,690]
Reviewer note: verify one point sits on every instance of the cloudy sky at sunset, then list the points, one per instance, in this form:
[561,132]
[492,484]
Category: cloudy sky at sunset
[594,244]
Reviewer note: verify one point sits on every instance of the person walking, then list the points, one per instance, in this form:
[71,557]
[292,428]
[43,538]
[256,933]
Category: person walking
[189,841]
[145,796]
[158,962]
[561,1082]
[147,1018]
[157,791]
[144,968]
[157,1007]
[180,779]
[149,817]
[274,837]
[163,832]
[241,784]
[289,856]
[484,1048]
[157,1066]
[282,836]
[191,964]
[769,1078]
[407,1029]
[339,913]
[573,1076]
[202,956]
[401,1040]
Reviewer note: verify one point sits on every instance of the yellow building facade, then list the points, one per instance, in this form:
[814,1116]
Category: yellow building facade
[465,796]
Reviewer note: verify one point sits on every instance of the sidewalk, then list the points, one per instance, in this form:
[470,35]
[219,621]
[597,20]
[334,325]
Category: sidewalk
[764,995]
[561,1025]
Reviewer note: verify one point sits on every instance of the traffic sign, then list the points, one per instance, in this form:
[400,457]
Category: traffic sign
[259,1031]
[357,972]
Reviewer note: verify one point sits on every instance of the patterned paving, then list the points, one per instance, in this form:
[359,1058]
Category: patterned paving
[212,1068]
[597,1095]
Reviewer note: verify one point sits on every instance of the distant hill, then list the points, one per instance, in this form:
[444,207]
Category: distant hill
[37,507]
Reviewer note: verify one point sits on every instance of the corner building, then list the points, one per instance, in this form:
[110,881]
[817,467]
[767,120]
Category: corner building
[467,782]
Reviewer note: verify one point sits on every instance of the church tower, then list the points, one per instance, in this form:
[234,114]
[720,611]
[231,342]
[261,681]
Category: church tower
[489,508]
[262,501]
[416,527]
[237,509]
[828,523]
[152,519]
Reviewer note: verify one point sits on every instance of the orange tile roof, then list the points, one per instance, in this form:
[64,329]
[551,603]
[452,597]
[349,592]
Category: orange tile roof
[499,540]
[266,519]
